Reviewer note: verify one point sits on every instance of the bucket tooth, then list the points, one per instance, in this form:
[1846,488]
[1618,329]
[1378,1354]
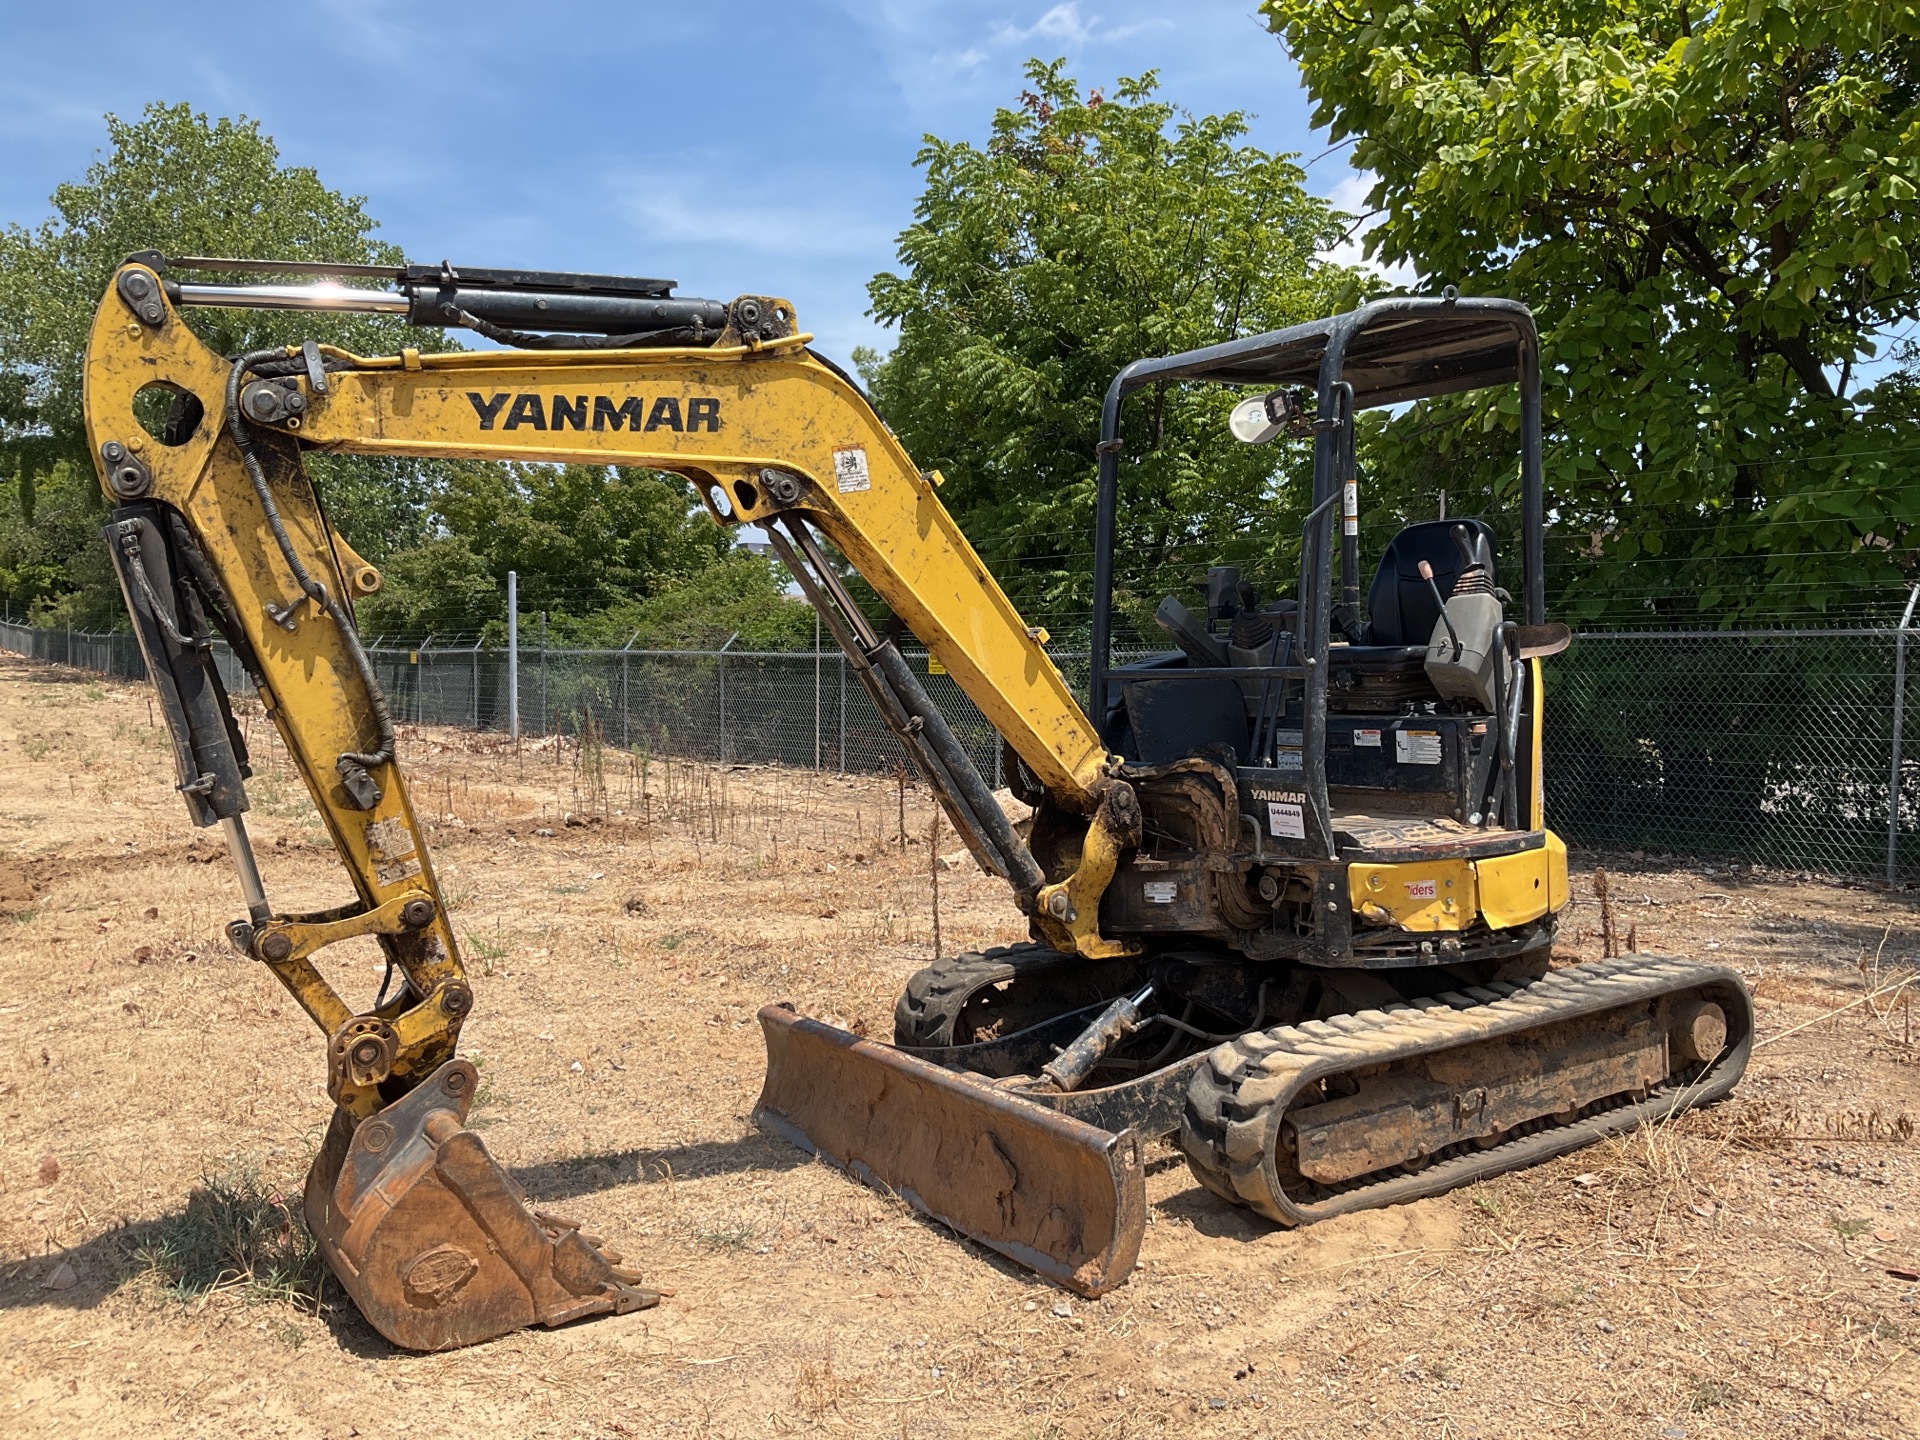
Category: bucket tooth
[432,1238]
[1058,1195]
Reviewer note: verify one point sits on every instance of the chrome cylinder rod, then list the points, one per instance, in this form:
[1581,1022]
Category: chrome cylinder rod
[251,887]
[295,297]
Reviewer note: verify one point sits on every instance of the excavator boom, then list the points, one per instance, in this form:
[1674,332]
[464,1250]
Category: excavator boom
[217,525]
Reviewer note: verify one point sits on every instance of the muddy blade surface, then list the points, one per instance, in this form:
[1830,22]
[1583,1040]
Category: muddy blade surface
[1060,1196]
[434,1241]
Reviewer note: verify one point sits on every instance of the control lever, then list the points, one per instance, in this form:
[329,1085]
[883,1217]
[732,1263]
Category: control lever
[1472,546]
[1426,574]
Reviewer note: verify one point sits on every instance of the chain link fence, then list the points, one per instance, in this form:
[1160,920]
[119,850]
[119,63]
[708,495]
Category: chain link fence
[1779,747]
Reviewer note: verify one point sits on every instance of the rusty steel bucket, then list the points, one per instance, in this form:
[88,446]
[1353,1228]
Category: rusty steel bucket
[1056,1194]
[434,1241]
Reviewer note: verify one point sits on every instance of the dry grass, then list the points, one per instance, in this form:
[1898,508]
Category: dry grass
[1728,1272]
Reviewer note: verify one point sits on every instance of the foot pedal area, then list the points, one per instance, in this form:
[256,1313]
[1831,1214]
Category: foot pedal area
[433,1239]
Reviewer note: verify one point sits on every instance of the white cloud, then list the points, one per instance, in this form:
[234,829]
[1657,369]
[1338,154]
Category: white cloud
[1349,194]
[669,216]
[937,56]
[1065,25]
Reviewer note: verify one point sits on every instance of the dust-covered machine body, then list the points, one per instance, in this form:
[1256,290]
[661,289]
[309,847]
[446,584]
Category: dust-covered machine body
[1289,886]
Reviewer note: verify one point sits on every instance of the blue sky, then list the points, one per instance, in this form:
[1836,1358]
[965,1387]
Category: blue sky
[736,146]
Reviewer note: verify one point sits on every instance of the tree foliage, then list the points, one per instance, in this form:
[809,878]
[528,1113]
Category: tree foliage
[604,552]
[174,181]
[1091,230]
[1713,212]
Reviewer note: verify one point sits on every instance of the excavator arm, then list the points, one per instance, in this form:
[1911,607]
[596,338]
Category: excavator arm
[218,525]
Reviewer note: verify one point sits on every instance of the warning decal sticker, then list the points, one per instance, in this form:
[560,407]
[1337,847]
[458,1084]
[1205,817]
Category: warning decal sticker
[1417,747]
[850,469]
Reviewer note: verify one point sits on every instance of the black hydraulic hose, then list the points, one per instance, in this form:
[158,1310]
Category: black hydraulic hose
[313,589]
[531,340]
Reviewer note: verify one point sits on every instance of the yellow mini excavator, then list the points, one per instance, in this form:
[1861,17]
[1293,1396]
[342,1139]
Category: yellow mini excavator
[1289,885]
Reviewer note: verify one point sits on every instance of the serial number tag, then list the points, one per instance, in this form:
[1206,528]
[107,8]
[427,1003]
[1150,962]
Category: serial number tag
[1286,820]
[1423,889]
[1161,892]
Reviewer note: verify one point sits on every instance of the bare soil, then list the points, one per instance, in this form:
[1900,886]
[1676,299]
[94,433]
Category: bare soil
[1747,1270]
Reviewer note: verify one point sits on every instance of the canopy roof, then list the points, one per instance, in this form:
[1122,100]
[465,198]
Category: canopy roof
[1396,350]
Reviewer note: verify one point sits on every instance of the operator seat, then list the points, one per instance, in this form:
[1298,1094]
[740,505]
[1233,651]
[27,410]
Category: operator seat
[1387,665]
[1400,606]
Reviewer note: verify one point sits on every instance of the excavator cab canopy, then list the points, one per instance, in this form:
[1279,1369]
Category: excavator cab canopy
[1387,352]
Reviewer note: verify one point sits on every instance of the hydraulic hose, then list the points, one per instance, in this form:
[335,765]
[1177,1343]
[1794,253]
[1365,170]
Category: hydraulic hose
[313,589]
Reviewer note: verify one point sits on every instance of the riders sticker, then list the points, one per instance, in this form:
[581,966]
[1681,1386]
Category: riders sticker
[850,469]
[1417,747]
[1287,819]
[1367,739]
[1423,889]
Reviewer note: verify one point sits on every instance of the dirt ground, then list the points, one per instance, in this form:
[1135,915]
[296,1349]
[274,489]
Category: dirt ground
[1747,1270]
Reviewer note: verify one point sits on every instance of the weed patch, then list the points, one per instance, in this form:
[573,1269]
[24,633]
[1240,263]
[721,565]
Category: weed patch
[240,1234]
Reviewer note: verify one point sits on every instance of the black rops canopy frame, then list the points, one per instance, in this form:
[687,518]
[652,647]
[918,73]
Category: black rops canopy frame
[1383,353]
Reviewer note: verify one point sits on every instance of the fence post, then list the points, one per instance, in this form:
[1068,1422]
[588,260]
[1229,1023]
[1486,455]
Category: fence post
[513,656]
[843,714]
[623,686]
[1899,715]
[816,689]
[543,672]
[421,661]
[474,708]
[722,746]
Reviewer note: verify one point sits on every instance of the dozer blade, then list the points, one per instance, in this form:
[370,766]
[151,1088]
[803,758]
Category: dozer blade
[435,1242]
[1058,1195]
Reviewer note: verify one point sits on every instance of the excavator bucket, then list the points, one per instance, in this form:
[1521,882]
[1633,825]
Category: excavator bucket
[1058,1195]
[435,1242]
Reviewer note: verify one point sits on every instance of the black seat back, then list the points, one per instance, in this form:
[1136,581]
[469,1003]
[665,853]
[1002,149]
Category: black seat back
[1400,606]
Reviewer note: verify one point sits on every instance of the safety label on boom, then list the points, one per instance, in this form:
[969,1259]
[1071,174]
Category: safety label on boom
[1287,819]
[850,469]
[1417,747]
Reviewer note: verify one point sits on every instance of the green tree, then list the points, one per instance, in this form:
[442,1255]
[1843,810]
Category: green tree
[1712,211]
[174,181]
[603,552]
[1090,231]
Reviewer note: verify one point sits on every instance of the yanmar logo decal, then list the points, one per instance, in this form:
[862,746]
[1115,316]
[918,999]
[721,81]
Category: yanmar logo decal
[594,412]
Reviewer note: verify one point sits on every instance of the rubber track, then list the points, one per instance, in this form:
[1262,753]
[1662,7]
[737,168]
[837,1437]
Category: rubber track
[1241,1094]
[929,1007]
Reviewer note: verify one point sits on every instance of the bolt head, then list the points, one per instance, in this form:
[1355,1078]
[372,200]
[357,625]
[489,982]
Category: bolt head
[276,947]
[112,450]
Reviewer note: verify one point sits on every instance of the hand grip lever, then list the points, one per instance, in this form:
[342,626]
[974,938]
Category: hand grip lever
[1426,574]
